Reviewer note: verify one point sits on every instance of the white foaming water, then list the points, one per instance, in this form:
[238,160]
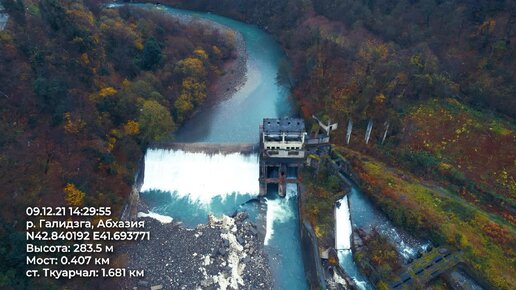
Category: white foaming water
[291,191]
[405,249]
[161,218]
[346,258]
[343,232]
[200,176]
[343,228]
[279,211]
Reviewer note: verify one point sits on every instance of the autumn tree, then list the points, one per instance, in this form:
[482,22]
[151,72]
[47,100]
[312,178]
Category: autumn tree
[155,121]
[73,195]
[191,66]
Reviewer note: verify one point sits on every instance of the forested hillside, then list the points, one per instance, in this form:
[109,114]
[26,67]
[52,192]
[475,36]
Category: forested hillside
[437,78]
[388,61]
[83,90]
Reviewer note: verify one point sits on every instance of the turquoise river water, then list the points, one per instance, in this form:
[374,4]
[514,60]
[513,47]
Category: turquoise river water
[188,186]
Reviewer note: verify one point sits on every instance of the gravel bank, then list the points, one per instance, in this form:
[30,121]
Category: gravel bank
[234,74]
[225,253]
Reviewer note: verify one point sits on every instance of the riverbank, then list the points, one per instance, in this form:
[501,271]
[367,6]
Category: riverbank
[234,72]
[322,192]
[225,253]
[434,213]
[235,120]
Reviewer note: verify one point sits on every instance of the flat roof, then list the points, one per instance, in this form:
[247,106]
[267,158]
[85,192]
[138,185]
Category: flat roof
[275,125]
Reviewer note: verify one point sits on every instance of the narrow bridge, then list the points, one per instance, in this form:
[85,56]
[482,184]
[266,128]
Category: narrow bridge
[210,148]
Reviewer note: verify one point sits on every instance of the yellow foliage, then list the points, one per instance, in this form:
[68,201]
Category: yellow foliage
[444,166]
[318,231]
[488,25]
[72,126]
[138,44]
[193,90]
[132,128]
[111,143]
[216,51]
[379,99]
[230,36]
[183,103]
[85,59]
[115,133]
[108,91]
[201,54]
[126,83]
[416,60]
[332,260]
[191,66]
[73,195]
[83,17]
[374,49]
[5,37]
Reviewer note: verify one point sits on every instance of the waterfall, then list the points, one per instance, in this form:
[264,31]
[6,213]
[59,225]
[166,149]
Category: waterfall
[199,176]
[343,228]
[279,210]
[346,259]
[343,232]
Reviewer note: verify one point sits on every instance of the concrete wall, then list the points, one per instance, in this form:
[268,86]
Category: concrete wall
[312,261]
[208,148]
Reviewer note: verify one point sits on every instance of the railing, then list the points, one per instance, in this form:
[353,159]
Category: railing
[315,141]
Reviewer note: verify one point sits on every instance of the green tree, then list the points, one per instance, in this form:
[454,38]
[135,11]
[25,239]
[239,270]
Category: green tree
[155,121]
[151,54]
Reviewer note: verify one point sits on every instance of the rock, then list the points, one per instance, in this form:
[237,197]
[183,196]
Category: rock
[241,216]
[207,282]
[143,283]
[191,258]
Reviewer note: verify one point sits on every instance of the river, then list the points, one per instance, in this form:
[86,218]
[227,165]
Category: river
[356,210]
[188,186]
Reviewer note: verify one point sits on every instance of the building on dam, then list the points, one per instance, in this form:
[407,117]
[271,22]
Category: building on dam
[282,153]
